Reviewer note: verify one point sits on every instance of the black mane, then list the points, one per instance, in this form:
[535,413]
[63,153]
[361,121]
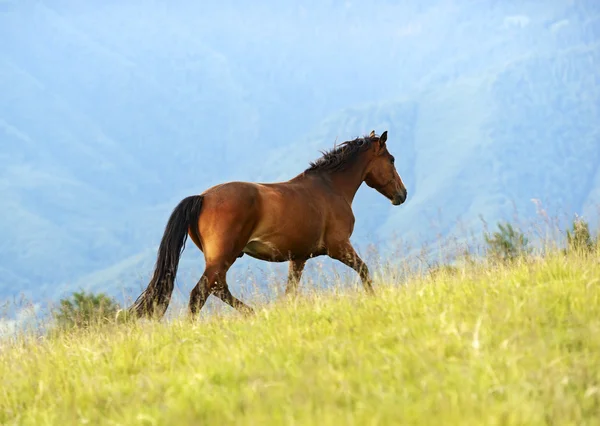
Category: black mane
[340,156]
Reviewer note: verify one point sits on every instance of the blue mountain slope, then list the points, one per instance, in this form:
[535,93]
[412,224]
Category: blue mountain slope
[110,114]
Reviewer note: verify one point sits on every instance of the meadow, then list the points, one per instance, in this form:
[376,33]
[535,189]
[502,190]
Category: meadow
[482,343]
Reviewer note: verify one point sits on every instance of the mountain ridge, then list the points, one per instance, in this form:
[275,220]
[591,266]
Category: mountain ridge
[110,115]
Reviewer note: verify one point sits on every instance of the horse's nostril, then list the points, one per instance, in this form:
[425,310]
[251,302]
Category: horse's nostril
[399,198]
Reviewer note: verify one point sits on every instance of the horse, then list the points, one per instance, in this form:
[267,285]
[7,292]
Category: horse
[292,221]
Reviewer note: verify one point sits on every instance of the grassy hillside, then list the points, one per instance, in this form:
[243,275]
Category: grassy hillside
[484,345]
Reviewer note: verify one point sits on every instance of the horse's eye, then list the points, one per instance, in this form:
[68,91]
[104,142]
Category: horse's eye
[392,160]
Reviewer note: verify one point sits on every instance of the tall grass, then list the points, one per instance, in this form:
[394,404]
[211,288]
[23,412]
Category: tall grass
[476,344]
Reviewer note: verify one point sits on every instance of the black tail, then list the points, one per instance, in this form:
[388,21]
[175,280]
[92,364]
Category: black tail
[155,299]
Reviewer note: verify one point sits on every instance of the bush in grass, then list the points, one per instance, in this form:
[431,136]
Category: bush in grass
[507,244]
[84,309]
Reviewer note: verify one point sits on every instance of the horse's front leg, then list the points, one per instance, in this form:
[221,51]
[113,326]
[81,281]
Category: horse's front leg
[346,254]
[294,275]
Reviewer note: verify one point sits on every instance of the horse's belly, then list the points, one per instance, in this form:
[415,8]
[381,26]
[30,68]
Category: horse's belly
[274,251]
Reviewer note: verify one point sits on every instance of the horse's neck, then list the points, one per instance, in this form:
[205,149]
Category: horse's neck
[347,181]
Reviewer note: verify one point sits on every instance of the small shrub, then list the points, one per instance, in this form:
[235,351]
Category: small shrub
[507,244]
[84,309]
[579,238]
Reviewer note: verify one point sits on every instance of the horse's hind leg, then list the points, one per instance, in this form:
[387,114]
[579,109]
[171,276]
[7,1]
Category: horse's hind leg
[225,226]
[223,293]
[213,281]
[199,294]
[294,275]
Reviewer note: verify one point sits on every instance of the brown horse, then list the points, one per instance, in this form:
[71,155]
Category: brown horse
[307,216]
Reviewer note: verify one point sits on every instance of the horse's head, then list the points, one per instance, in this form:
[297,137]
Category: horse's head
[381,172]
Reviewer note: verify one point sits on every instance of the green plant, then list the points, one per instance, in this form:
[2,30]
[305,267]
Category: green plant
[84,309]
[579,238]
[507,244]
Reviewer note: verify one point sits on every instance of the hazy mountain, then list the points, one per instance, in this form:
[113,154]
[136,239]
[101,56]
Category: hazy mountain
[111,113]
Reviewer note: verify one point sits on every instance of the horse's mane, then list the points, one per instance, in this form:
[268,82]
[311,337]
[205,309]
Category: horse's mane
[341,155]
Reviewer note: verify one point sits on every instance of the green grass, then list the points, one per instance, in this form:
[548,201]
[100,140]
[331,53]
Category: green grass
[488,345]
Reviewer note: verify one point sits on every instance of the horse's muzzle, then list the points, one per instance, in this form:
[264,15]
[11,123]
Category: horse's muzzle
[399,198]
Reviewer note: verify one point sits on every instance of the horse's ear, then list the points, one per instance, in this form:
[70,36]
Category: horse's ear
[372,134]
[380,142]
[383,138]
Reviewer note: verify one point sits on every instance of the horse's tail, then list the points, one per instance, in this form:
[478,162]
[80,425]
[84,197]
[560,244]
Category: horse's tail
[155,299]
